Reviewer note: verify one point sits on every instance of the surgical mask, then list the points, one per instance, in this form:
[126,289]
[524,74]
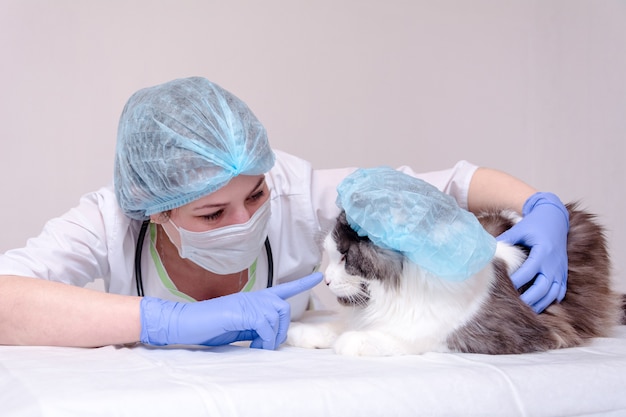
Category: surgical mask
[228,249]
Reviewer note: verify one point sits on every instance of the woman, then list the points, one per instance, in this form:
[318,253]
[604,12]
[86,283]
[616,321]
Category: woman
[203,216]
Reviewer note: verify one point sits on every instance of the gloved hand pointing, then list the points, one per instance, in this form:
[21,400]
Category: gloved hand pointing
[261,316]
[543,229]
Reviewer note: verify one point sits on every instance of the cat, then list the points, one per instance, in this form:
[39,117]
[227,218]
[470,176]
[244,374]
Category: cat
[395,308]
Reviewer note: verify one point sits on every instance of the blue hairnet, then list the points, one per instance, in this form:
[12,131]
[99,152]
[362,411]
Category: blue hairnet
[182,140]
[402,213]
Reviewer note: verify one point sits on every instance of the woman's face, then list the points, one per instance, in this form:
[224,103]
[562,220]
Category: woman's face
[232,204]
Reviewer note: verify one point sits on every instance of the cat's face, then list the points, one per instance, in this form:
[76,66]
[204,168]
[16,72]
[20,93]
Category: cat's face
[356,265]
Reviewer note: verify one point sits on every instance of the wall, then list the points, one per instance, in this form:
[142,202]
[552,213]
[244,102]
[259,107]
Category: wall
[535,88]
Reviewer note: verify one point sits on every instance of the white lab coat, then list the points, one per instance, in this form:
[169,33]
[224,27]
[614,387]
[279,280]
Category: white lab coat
[96,240]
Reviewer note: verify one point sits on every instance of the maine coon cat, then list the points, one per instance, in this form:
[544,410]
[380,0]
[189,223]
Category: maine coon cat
[394,308]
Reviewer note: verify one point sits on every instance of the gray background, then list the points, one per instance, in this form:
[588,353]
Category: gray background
[534,88]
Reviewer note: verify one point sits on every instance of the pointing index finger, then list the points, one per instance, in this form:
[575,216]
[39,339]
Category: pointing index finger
[289,289]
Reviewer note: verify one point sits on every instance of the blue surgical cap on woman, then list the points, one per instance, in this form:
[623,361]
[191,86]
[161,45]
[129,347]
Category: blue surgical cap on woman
[182,140]
[402,213]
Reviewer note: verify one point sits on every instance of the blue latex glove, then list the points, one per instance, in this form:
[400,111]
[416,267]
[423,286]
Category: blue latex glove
[543,229]
[261,316]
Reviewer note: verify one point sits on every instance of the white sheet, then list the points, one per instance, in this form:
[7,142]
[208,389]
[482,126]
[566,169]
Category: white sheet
[238,381]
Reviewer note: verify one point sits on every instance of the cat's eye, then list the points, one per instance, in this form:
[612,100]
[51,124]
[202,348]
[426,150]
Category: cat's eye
[343,258]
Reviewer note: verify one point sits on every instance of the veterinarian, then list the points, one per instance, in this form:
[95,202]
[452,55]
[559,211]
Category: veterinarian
[208,237]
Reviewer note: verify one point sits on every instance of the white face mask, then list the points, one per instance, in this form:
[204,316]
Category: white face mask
[228,249]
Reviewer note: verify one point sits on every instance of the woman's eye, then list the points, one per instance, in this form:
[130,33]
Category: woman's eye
[213,216]
[256,196]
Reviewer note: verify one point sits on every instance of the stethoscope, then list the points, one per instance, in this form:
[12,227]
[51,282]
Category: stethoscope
[139,249]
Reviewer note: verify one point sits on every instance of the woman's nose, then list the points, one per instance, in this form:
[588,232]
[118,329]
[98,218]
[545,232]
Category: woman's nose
[241,215]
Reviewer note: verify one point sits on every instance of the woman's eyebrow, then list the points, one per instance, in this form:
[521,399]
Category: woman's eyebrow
[258,184]
[214,205]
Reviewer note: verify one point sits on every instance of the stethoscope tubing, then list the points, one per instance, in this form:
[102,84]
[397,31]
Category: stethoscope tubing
[139,249]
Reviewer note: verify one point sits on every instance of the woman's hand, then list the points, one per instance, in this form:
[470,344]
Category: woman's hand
[261,316]
[543,229]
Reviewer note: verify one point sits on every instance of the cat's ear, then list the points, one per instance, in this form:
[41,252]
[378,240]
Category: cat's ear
[320,236]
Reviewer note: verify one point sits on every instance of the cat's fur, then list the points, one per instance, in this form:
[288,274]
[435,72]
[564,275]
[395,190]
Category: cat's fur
[396,308]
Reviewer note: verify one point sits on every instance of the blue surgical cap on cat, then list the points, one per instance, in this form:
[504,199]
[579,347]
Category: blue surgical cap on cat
[182,140]
[402,213]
